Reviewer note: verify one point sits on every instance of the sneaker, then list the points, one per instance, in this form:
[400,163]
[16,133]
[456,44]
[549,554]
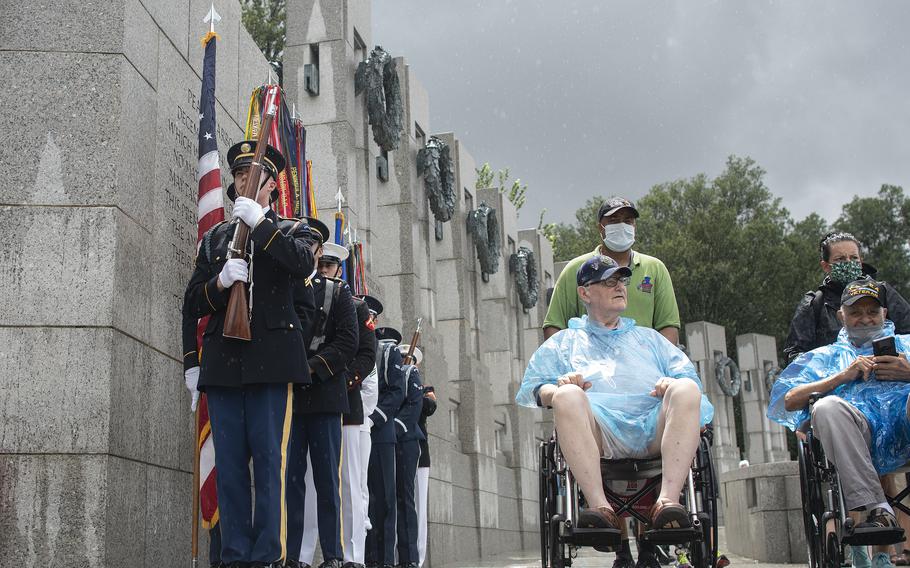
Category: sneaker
[861,557]
[882,560]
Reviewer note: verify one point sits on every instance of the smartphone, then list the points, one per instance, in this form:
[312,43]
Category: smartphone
[884,346]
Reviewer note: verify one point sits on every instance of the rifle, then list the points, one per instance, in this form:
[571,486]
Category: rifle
[409,358]
[237,319]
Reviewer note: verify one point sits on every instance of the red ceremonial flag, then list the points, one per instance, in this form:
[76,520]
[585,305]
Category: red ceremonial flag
[210,212]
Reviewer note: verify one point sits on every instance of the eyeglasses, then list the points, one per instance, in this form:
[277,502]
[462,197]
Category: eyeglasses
[612,282]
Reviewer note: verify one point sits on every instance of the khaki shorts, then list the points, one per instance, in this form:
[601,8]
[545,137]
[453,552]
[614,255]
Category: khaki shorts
[613,449]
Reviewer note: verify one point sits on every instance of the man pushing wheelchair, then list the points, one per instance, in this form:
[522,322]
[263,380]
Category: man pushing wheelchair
[618,391]
[853,393]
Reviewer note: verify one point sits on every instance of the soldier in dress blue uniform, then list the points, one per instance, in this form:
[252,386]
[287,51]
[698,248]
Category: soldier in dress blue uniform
[380,549]
[250,383]
[407,453]
[318,416]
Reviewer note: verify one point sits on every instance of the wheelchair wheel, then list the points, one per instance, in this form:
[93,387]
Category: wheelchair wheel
[833,554]
[553,552]
[544,501]
[813,507]
[704,550]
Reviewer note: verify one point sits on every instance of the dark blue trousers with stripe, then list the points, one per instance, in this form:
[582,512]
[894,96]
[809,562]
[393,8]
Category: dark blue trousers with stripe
[406,456]
[320,435]
[252,422]
[380,546]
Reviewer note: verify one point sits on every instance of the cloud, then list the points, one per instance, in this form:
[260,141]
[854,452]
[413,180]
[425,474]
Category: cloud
[585,98]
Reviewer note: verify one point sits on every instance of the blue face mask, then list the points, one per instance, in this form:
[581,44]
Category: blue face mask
[619,237]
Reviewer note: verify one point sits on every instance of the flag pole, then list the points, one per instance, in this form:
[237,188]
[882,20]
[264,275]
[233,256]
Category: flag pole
[196,448]
[211,19]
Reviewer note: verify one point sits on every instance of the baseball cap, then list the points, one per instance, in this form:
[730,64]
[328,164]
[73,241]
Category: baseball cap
[613,205]
[599,268]
[859,289]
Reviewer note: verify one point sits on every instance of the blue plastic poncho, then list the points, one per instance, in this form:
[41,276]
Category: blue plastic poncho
[623,366]
[883,403]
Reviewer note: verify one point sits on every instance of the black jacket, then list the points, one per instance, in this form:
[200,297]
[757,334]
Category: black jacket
[409,413]
[330,359]
[391,393]
[363,363]
[276,353]
[429,408]
[815,322]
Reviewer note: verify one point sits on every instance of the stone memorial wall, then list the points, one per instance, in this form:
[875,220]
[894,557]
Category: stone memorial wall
[476,337]
[99,217]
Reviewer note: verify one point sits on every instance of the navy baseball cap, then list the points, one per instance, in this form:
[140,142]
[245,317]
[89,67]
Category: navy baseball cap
[859,289]
[599,268]
[614,204]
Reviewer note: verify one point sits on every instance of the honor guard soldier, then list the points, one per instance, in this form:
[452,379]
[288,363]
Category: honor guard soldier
[380,549]
[369,395]
[249,384]
[317,420]
[354,465]
[423,471]
[407,453]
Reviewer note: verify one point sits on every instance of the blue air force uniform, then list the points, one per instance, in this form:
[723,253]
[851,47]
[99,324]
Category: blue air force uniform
[380,547]
[317,421]
[407,453]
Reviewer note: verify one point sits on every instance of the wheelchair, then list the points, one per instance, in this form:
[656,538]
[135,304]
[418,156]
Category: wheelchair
[826,522]
[560,501]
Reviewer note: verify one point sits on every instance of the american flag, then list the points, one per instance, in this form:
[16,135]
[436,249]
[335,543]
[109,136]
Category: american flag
[210,212]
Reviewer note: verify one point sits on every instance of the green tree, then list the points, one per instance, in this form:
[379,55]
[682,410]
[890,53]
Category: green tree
[266,21]
[732,249]
[516,192]
[881,224]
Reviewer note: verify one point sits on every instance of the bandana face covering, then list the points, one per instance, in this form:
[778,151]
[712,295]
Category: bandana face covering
[847,271]
[862,336]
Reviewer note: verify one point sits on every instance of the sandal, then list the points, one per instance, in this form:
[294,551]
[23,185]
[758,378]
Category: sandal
[879,518]
[666,514]
[599,518]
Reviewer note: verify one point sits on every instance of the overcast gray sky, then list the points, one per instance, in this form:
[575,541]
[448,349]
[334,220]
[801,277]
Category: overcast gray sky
[582,98]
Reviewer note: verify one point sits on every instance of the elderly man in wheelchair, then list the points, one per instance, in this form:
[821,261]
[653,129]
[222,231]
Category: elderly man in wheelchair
[618,391]
[851,397]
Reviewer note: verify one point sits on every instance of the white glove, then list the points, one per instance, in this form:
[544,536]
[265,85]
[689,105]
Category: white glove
[191,378]
[235,270]
[247,211]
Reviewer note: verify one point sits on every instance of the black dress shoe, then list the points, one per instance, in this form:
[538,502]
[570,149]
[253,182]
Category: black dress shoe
[333,563]
[352,565]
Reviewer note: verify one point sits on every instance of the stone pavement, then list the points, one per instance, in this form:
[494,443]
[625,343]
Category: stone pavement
[590,558]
